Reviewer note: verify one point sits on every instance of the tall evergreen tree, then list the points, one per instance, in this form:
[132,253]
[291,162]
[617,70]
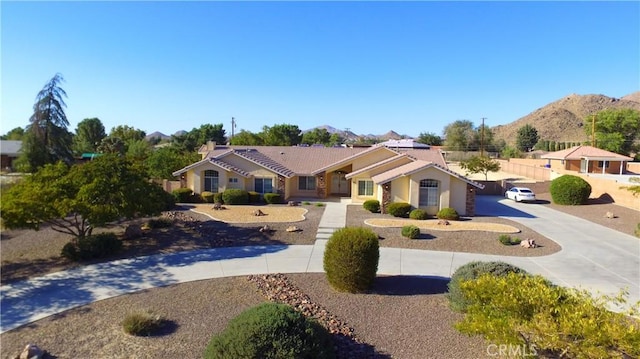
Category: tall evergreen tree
[527,138]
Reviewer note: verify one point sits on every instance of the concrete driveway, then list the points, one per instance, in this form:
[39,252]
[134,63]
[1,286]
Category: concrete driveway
[593,257]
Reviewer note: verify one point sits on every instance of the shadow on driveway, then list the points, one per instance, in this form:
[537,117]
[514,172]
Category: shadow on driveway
[491,206]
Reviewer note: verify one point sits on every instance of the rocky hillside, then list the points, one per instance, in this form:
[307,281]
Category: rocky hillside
[563,120]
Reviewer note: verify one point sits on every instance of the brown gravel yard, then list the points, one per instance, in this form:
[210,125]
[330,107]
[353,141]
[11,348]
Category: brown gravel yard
[404,317]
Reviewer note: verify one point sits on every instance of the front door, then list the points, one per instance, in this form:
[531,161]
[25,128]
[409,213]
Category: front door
[339,184]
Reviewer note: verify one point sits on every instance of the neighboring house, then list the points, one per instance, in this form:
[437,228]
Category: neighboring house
[9,151]
[586,159]
[418,176]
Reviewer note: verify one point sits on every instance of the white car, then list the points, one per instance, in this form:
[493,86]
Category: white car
[519,194]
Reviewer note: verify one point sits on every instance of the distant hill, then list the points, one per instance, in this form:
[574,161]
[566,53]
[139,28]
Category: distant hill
[563,120]
[349,136]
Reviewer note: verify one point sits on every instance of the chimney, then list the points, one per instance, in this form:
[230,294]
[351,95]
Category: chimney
[211,145]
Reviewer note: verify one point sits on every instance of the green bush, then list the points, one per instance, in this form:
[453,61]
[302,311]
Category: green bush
[90,247]
[637,232]
[207,197]
[507,240]
[570,190]
[235,196]
[399,209]
[419,214]
[183,195]
[217,198]
[351,259]
[161,222]
[254,197]
[272,198]
[306,203]
[271,330]
[372,205]
[530,312]
[319,204]
[142,324]
[470,271]
[448,213]
[410,231]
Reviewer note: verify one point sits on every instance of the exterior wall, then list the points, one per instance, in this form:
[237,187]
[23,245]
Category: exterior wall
[458,197]
[571,165]
[321,186]
[293,191]
[633,167]
[470,201]
[354,190]
[444,188]
[371,158]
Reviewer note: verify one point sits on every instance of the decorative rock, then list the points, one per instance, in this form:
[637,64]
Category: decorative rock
[443,222]
[610,215]
[293,229]
[258,213]
[218,206]
[133,231]
[31,351]
[528,243]
[266,228]
[293,204]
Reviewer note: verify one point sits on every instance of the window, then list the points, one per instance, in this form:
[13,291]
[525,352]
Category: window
[307,183]
[429,193]
[603,164]
[233,180]
[263,185]
[365,188]
[211,181]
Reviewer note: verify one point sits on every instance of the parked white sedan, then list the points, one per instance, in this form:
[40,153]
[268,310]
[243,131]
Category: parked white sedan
[519,194]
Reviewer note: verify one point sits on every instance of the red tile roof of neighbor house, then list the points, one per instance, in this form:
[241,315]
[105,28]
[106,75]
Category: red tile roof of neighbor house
[413,167]
[580,152]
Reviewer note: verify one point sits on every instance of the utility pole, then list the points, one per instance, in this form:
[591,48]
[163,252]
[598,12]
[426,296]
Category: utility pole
[233,126]
[482,138]
[593,131]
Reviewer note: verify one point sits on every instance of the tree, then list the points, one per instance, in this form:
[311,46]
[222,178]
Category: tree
[197,137]
[162,162]
[317,136]
[246,138]
[429,138]
[89,135]
[615,130]
[47,139]
[459,135]
[76,199]
[527,138]
[510,152]
[120,138]
[14,135]
[480,164]
[281,135]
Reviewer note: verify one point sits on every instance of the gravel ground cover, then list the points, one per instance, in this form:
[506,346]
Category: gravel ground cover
[402,317]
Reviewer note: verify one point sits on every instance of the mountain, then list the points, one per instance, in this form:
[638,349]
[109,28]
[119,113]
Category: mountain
[349,136]
[157,134]
[563,120]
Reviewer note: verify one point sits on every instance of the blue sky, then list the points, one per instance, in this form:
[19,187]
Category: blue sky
[371,67]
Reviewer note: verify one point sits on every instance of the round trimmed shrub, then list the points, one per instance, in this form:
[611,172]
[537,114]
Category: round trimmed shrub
[351,259]
[142,324]
[94,246]
[235,196]
[508,241]
[471,271]
[419,214]
[254,197]
[399,209]
[372,205]
[207,196]
[183,195]
[217,198]
[448,213]
[570,190]
[410,231]
[272,198]
[271,330]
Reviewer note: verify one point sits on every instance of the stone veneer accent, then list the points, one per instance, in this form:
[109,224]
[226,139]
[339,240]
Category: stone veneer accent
[281,186]
[471,200]
[386,197]
[321,185]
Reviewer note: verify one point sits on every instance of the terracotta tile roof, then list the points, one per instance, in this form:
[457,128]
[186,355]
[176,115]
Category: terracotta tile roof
[579,152]
[413,167]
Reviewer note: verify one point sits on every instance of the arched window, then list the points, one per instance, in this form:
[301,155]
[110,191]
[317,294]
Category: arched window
[211,181]
[429,193]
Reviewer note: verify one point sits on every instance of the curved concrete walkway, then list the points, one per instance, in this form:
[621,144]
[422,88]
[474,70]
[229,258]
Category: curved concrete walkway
[593,257]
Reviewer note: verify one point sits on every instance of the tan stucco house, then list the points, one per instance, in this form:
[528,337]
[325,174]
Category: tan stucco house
[586,159]
[411,174]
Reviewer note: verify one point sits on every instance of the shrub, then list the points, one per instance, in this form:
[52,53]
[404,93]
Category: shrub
[271,330]
[306,203]
[235,196]
[351,259]
[217,198]
[183,195]
[570,190]
[254,197]
[399,209]
[90,247]
[207,197]
[161,222]
[142,324]
[372,205]
[637,232]
[419,214]
[410,231]
[558,322]
[272,198]
[470,271]
[508,241]
[448,213]
[319,204]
